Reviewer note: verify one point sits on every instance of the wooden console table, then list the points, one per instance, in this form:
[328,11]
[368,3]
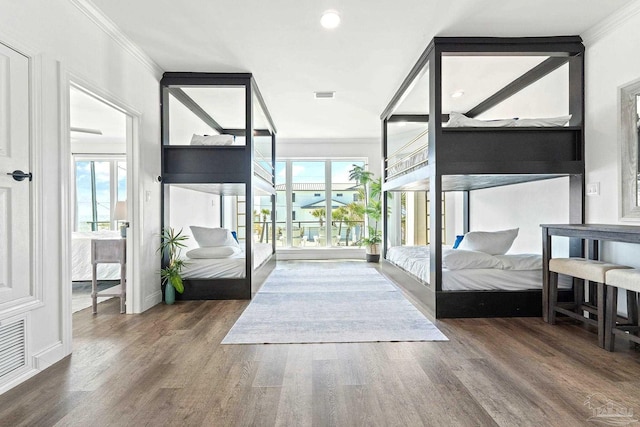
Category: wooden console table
[592,234]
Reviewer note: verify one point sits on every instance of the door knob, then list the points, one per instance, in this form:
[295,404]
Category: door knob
[18,175]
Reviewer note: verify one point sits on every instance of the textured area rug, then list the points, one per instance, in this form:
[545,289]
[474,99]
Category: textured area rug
[316,302]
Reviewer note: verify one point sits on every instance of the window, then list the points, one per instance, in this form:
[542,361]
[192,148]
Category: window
[100,183]
[314,219]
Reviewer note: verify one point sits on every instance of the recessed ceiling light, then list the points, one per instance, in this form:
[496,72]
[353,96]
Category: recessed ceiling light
[330,19]
[457,94]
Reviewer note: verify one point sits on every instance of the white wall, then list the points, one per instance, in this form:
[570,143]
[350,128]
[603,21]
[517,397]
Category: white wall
[191,207]
[524,206]
[612,61]
[64,39]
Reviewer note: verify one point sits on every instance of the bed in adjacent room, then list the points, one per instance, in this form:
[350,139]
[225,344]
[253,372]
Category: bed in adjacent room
[81,269]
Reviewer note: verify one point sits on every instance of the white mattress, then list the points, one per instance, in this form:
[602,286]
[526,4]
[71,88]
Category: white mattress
[81,256]
[232,267]
[415,260]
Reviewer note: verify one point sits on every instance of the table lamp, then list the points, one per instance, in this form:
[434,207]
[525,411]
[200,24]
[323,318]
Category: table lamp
[120,214]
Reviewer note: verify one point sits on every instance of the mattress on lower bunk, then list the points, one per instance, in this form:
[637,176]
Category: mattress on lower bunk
[513,272]
[231,267]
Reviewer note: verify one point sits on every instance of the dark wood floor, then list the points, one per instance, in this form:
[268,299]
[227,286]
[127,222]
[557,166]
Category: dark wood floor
[167,367]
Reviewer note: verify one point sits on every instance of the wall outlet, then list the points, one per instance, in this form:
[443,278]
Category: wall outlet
[147,196]
[593,189]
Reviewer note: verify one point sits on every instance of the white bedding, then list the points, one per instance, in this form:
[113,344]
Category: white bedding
[232,267]
[81,256]
[513,272]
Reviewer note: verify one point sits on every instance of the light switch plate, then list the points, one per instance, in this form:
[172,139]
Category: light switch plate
[593,189]
[147,196]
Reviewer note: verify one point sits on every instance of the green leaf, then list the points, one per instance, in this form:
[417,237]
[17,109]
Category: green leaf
[176,282]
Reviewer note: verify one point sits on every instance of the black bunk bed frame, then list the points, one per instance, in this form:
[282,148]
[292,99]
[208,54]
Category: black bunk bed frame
[230,166]
[465,159]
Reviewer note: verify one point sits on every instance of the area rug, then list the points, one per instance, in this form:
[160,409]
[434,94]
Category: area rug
[330,303]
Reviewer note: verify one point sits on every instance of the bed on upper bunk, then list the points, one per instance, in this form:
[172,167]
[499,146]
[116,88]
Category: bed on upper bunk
[474,114]
[218,164]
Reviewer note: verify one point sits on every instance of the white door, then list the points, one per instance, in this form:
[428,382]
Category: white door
[15,196]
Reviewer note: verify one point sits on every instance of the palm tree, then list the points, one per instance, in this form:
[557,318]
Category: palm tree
[319,213]
[340,214]
[355,215]
[362,177]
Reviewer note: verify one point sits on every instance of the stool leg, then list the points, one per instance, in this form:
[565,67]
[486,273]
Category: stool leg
[553,296]
[632,308]
[94,289]
[601,310]
[611,316]
[578,295]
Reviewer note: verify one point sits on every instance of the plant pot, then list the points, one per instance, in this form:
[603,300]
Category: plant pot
[373,257]
[169,294]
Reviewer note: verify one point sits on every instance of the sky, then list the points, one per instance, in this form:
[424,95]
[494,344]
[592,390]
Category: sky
[313,171]
[103,192]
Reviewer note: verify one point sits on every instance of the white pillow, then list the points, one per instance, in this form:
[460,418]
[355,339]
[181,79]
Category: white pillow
[490,242]
[544,122]
[457,259]
[211,139]
[213,252]
[208,237]
[458,120]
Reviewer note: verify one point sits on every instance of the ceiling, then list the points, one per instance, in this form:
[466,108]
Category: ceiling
[93,121]
[364,60]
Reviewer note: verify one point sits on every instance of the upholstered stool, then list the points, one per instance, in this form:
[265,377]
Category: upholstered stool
[585,269]
[628,279]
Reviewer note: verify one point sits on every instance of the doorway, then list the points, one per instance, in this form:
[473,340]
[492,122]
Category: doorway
[100,141]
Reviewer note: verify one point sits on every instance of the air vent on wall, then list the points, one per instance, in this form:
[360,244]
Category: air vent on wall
[12,347]
[324,95]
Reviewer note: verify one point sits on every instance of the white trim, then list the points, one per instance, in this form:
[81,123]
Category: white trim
[610,23]
[320,253]
[134,293]
[111,29]
[50,355]
[66,193]
[23,375]
[151,300]
[37,97]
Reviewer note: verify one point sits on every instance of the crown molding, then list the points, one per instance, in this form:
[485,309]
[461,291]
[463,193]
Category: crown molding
[110,28]
[610,23]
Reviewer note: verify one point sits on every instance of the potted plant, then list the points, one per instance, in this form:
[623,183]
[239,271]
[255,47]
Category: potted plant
[372,244]
[170,248]
[371,192]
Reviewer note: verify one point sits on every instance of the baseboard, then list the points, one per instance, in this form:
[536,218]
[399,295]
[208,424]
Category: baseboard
[49,356]
[152,300]
[17,380]
[288,254]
